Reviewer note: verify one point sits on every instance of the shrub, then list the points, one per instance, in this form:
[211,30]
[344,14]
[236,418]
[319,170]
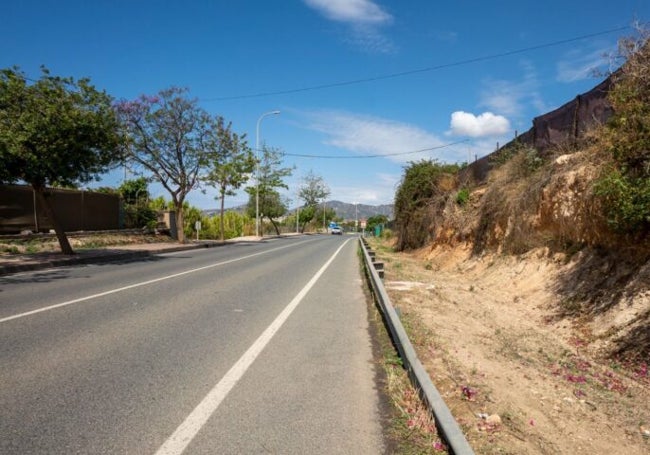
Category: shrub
[624,190]
[462,197]
[421,183]
[626,201]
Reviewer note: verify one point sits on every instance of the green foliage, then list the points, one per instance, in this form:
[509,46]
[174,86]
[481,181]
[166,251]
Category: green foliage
[160,203]
[386,234]
[271,172]
[629,127]
[55,131]
[271,175]
[234,225]
[306,215]
[271,204]
[528,158]
[626,200]
[532,160]
[323,215]
[421,182]
[133,190]
[191,215]
[462,197]
[376,220]
[312,192]
[135,197]
[625,190]
[230,163]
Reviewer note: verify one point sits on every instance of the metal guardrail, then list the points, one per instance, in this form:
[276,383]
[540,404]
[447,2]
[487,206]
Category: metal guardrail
[445,423]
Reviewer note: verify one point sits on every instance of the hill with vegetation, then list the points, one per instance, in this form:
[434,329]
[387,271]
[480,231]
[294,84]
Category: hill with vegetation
[584,201]
[524,279]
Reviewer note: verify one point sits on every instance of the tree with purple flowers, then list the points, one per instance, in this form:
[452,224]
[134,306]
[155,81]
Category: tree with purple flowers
[168,136]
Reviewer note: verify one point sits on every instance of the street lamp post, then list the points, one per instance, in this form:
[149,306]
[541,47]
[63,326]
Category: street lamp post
[257,179]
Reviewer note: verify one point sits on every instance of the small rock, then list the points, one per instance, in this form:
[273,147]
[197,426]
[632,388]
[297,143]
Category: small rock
[482,415]
[493,419]
[645,432]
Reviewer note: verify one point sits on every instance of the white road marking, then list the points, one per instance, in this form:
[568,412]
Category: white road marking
[143,283]
[181,438]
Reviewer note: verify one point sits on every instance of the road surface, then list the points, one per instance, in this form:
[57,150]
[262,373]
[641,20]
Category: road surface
[247,348]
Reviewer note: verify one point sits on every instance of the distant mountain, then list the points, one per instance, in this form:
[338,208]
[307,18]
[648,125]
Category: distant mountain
[360,211]
[343,210]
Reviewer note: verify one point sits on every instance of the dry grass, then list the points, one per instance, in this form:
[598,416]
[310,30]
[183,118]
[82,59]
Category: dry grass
[47,244]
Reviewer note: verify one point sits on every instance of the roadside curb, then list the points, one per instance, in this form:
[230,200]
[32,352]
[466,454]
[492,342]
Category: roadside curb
[104,256]
[97,257]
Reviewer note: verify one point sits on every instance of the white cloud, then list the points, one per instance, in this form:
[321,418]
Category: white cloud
[367,135]
[579,65]
[364,17]
[485,124]
[369,195]
[509,98]
[351,11]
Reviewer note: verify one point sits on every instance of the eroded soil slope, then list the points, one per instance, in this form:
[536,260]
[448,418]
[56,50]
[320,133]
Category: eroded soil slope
[521,373]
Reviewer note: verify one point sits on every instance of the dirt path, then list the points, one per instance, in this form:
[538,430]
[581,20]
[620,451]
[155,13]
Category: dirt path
[518,379]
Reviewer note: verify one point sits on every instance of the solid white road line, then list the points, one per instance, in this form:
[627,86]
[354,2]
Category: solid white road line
[143,283]
[181,438]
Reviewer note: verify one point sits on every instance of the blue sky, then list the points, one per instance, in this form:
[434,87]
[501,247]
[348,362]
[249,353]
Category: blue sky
[352,78]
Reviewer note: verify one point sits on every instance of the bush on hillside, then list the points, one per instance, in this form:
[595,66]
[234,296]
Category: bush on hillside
[415,198]
[624,187]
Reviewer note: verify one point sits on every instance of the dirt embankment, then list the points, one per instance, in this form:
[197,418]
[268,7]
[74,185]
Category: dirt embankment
[530,314]
[522,372]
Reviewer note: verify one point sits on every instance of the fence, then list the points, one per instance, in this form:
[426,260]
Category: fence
[76,210]
[565,125]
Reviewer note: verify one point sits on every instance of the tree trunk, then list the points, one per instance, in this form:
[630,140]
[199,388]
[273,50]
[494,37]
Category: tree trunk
[180,228]
[221,224]
[275,226]
[58,229]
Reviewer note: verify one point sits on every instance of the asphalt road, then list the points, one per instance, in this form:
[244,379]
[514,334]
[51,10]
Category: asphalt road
[248,348]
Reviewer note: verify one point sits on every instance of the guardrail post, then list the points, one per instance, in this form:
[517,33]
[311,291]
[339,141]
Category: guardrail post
[379,267]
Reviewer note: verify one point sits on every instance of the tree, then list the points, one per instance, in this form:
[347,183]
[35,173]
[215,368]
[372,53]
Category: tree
[270,177]
[324,214]
[132,190]
[135,196]
[305,216]
[272,206]
[230,161]
[376,220]
[168,134]
[421,182]
[55,132]
[312,191]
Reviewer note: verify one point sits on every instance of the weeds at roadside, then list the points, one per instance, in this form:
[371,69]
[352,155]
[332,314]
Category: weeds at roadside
[11,249]
[31,249]
[411,428]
